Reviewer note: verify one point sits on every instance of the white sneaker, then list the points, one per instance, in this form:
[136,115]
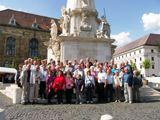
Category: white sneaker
[80,103]
[116,101]
[130,102]
[125,101]
[91,102]
[87,102]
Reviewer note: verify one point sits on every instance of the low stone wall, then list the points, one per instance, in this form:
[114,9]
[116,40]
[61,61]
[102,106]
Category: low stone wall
[2,114]
[1,85]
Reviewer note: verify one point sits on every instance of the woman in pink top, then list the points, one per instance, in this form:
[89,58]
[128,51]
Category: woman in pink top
[69,86]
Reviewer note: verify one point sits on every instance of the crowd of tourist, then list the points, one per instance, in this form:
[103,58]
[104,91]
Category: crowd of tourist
[45,80]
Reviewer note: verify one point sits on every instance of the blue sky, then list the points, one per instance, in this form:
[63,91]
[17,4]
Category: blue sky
[124,16]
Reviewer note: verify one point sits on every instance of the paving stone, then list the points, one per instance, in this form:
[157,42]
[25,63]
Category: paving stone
[147,110]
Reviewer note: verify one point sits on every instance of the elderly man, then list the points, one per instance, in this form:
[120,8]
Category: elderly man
[33,67]
[50,61]
[129,67]
[128,83]
[102,77]
[75,64]
[25,65]
[70,67]
[109,85]
[112,63]
[35,79]
[88,61]
[25,83]
[79,71]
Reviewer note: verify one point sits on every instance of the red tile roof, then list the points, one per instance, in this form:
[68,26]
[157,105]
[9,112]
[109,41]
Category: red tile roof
[149,39]
[26,19]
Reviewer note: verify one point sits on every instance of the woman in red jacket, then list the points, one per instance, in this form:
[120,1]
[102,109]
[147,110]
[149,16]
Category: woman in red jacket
[59,86]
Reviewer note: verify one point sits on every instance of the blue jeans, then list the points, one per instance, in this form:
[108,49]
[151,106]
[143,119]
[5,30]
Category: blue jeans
[79,97]
[109,87]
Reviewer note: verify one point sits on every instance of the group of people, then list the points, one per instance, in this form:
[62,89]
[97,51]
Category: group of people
[45,80]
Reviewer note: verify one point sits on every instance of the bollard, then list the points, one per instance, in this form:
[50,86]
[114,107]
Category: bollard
[1,85]
[106,117]
[2,114]
[17,95]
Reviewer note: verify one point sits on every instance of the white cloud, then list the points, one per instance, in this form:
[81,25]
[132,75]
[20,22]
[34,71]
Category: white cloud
[2,7]
[151,22]
[122,38]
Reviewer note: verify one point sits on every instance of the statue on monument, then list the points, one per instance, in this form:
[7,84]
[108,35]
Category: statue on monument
[53,29]
[105,28]
[84,3]
[53,44]
[66,23]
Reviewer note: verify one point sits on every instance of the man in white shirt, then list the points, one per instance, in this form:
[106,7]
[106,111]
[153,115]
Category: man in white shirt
[102,77]
[79,71]
[43,82]
[35,79]
[25,65]
[109,85]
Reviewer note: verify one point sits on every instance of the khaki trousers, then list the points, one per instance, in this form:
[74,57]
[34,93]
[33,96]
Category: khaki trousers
[117,93]
[34,92]
[127,92]
[25,92]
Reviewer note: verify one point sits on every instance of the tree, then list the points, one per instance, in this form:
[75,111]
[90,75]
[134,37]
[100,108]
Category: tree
[133,65]
[146,65]
[13,64]
[158,46]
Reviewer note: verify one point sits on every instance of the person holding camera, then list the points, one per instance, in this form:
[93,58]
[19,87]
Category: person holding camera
[90,84]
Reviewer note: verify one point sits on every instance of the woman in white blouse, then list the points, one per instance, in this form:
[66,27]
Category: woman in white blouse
[90,84]
[117,85]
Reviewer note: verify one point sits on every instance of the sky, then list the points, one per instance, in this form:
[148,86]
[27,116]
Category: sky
[129,19]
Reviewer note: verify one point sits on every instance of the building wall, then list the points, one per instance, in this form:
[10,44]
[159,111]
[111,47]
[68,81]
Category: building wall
[22,38]
[138,55]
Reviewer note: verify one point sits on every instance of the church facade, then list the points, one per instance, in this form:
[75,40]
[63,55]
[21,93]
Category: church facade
[22,36]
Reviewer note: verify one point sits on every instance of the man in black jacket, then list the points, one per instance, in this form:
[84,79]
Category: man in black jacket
[18,76]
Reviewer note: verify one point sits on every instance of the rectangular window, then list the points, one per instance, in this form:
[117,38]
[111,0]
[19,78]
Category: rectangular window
[152,51]
[152,58]
[152,66]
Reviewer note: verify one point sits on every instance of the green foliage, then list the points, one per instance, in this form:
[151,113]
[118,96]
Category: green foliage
[35,58]
[13,64]
[158,46]
[146,64]
[133,65]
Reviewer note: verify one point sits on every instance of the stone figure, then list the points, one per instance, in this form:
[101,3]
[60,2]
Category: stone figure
[105,28]
[53,29]
[75,32]
[85,22]
[98,34]
[66,23]
[84,3]
[63,10]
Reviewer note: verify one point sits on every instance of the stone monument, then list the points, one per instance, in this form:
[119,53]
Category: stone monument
[81,37]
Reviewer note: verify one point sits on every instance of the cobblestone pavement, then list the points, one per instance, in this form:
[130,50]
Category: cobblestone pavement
[149,110]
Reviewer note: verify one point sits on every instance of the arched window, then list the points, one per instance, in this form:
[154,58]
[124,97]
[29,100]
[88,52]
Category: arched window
[10,49]
[33,48]
[6,63]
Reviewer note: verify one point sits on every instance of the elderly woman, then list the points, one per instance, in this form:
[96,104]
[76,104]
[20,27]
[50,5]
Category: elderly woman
[86,69]
[117,84]
[49,83]
[59,86]
[49,68]
[69,86]
[90,84]
[62,68]
[53,65]
[137,84]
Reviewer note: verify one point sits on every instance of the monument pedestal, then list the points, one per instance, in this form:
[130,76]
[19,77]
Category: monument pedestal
[83,47]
